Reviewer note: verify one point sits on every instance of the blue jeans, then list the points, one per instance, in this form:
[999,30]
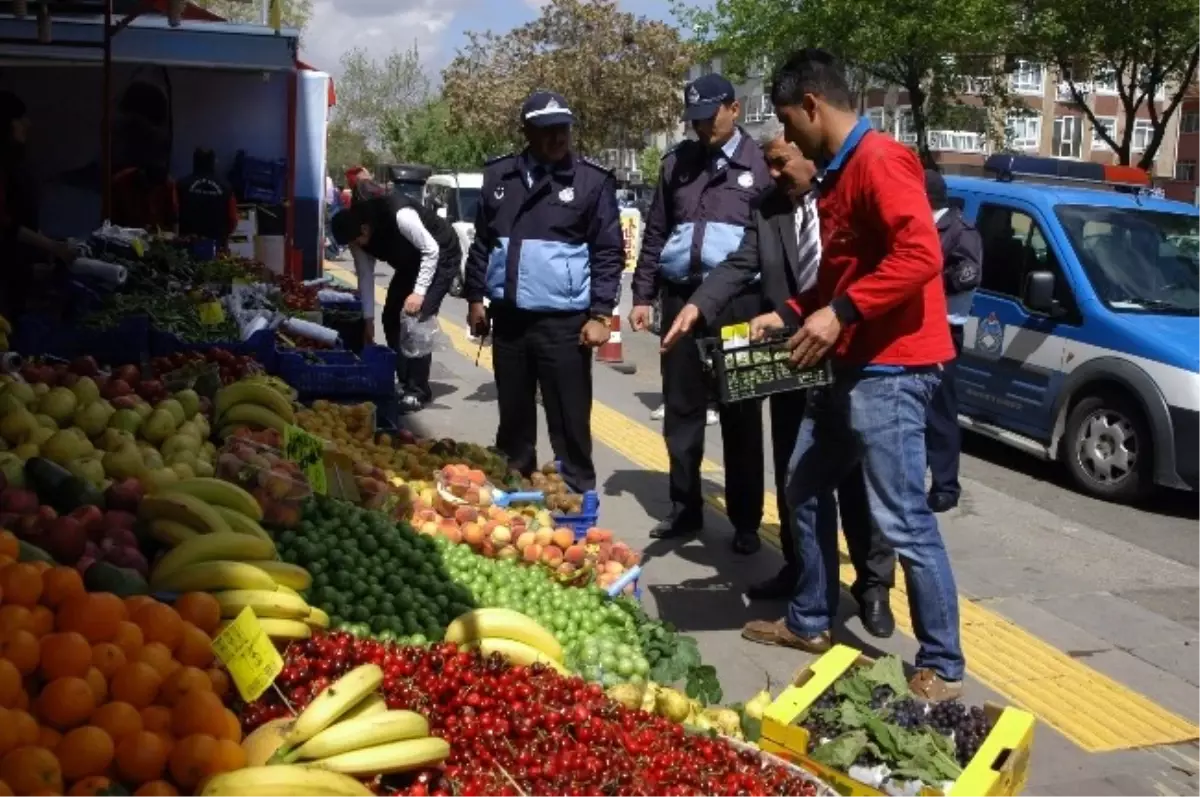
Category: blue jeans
[878,420]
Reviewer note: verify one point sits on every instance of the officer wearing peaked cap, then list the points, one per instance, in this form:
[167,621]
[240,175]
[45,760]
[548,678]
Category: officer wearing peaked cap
[699,214]
[548,255]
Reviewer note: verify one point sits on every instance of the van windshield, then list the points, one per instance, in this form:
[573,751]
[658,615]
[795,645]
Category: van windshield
[468,203]
[1137,260]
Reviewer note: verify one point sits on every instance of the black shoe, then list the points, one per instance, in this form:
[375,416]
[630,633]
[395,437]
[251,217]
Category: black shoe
[410,403]
[780,586]
[942,502]
[677,526]
[876,616]
[746,543]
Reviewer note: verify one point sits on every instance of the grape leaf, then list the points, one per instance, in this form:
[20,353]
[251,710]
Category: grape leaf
[887,671]
[854,687]
[841,752]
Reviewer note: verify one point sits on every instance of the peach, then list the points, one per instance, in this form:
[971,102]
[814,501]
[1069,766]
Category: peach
[452,533]
[526,539]
[465,514]
[599,535]
[616,568]
[429,528]
[552,554]
[474,496]
[476,477]
[507,552]
[501,535]
[575,554]
[472,534]
[563,538]
[532,552]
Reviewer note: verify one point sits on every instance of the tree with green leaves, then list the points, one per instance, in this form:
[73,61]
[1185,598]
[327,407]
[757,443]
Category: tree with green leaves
[649,163]
[295,13]
[372,93]
[621,74]
[428,135]
[929,48]
[1148,49]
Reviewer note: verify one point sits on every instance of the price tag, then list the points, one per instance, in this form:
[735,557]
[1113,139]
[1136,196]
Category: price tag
[249,655]
[211,313]
[307,451]
[735,336]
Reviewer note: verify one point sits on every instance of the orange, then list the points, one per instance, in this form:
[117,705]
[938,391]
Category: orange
[158,656]
[192,759]
[10,683]
[107,657]
[227,757]
[48,737]
[24,726]
[156,788]
[181,683]
[14,618]
[195,647]
[200,609]
[41,621]
[136,683]
[160,623]
[5,790]
[64,654]
[8,732]
[22,701]
[141,757]
[21,648]
[60,583]
[66,702]
[31,770]
[93,784]
[129,638]
[135,602]
[95,615]
[9,544]
[220,681]
[157,719]
[40,566]
[85,751]
[199,711]
[21,584]
[118,719]
[233,727]
[98,683]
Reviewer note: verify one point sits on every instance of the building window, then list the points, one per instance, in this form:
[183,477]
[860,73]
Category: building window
[1024,131]
[758,108]
[876,117]
[955,141]
[1143,132]
[1185,171]
[1104,80]
[905,131]
[1068,136]
[1189,122]
[1109,124]
[1028,78]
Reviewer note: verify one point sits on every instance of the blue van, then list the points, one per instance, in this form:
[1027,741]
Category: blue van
[1083,345]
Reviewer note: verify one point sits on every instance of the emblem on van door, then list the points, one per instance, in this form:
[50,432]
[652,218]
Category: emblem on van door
[567,194]
[989,336]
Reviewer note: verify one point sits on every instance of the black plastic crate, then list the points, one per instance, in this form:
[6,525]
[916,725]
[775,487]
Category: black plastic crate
[753,370]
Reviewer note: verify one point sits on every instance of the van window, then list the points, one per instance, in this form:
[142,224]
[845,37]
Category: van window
[1013,246]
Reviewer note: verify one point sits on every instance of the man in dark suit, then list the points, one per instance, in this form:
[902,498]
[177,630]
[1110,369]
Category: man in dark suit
[783,245]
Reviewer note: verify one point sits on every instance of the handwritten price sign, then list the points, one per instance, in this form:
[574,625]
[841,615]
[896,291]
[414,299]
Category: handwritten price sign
[249,655]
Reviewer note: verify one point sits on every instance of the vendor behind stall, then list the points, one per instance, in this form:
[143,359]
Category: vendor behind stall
[207,206]
[143,194]
[21,244]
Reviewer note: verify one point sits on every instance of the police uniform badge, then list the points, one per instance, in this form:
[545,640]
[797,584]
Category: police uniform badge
[693,96]
[499,193]
[567,194]
[746,179]
[989,336]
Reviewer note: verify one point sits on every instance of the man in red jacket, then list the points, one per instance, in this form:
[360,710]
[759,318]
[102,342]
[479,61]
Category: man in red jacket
[878,311]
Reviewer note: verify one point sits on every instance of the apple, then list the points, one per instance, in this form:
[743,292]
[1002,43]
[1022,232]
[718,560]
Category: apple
[65,539]
[129,374]
[124,496]
[90,519]
[18,501]
[115,388]
[85,366]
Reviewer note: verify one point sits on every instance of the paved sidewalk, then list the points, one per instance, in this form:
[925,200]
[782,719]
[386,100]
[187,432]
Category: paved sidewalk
[1096,636]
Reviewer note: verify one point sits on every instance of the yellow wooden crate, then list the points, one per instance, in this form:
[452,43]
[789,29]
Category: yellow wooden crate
[1000,768]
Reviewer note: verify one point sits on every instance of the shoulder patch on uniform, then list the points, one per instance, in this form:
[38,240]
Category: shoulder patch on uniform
[595,164]
[679,149]
[498,158]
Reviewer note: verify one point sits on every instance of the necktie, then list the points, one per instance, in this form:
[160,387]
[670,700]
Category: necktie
[808,244]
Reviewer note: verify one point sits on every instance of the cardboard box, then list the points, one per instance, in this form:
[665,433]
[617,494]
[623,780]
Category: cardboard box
[999,769]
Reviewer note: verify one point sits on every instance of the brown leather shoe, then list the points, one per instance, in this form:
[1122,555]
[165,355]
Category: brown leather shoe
[927,685]
[777,633]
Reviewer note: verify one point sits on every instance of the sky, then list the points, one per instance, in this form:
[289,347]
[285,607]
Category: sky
[437,27]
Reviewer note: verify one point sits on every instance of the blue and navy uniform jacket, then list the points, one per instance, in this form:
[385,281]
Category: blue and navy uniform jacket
[547,238]
[701,208]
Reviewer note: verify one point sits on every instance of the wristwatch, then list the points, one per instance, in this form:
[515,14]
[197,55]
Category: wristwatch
[606,320]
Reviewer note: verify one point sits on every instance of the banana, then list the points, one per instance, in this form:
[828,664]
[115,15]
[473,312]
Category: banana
[253,415]
[516,652]
[384,759]
[266,739]
[334,701]
[240,523]
[368,731]
[254,394]
[282,780]
[317,618]
[264,603]
[498,623]
[226,545]
[278,628]
[371,704]
[219,492]
[5,327]
[215,575]
[171,532]
[182,508]
[287,574]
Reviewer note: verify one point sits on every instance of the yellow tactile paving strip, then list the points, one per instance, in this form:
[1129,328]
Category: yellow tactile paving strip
[1094,711]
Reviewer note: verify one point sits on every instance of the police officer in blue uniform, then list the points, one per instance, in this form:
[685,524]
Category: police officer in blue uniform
[548,255]
[701,208]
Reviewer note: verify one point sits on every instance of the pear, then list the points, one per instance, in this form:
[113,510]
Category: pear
[189,400]
[160,424]
[85,390]
[124,463]
[22,391]
[59,404]
[175,408]
[47,421]
[126,421]
[92,419]
[61,447]
[16,427]
[10,403]
[114,438]
[156,480]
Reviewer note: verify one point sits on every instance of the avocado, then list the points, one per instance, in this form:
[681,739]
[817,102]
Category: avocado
[120,581]
[32,553]
[59,488]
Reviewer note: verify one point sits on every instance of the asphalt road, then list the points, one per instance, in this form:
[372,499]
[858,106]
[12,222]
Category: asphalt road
[1164,524]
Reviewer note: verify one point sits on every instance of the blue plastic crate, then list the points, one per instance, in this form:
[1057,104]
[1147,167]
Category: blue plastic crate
[326,374]
[260,346]
[583,521]
[40,334]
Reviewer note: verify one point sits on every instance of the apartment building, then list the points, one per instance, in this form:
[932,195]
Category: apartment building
[1187,150]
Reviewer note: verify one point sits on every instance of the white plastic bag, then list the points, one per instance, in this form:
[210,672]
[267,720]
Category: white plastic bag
[416,335]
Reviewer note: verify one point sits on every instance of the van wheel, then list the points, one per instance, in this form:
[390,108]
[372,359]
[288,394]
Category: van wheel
[1108,447]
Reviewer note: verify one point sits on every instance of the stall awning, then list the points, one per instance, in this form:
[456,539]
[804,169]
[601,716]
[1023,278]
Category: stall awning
[149,39]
